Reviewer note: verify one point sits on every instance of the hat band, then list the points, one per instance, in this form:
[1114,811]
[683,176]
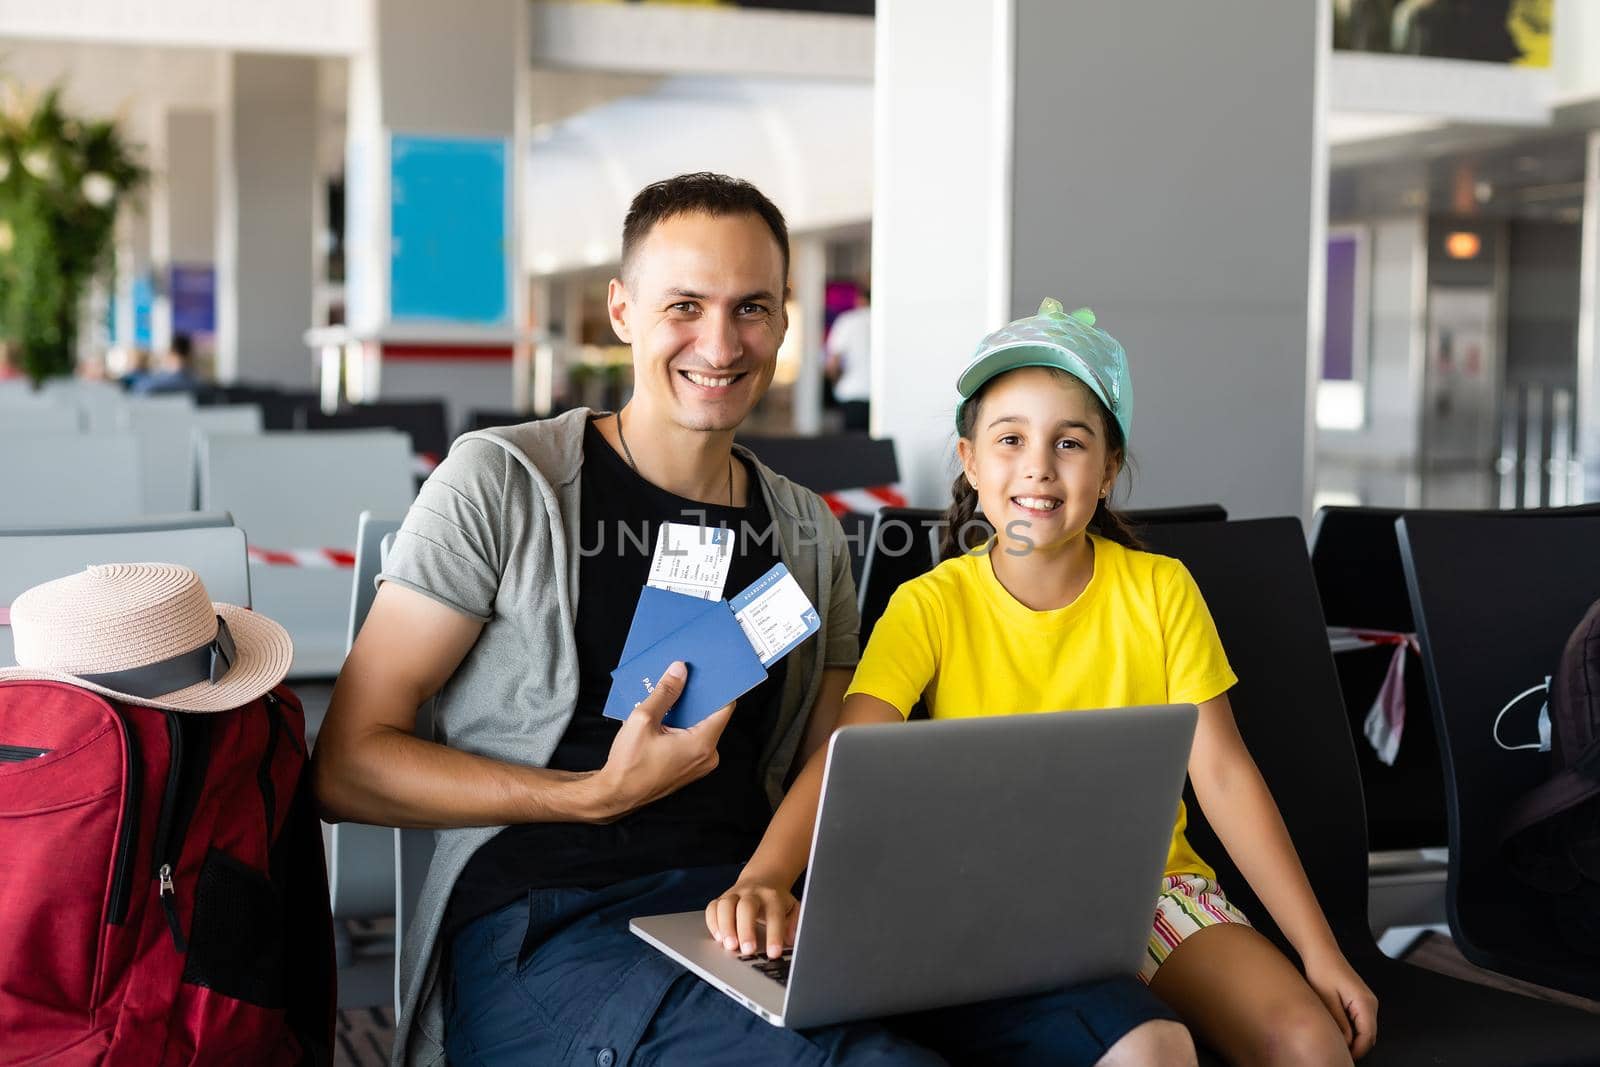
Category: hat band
[208,663]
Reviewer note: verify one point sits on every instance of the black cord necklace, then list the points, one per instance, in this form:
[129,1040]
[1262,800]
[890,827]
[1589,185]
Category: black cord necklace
[628,452]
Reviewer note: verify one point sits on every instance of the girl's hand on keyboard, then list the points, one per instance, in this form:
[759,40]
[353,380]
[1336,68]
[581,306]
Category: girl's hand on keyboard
[737,916]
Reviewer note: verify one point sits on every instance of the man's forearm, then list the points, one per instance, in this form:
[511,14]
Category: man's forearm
[393,778]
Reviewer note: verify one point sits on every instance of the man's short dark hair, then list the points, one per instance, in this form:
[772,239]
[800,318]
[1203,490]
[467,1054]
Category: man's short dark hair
[702,193]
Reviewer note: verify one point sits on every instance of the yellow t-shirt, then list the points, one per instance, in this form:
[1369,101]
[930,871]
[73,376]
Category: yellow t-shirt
[1139,633]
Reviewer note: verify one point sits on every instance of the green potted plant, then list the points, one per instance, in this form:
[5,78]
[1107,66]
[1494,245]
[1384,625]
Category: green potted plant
[62,180]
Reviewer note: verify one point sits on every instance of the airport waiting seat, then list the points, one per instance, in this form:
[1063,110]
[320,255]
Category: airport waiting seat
[30,419]
[1355,556]
[164,425]
[177,520]
[371,529]
[280,408]
[297,496]
[483,420]
[1139,518]
[229,418]
[1256,578]
[1495,597]
[832,463]
[362,873]
[902,544]
[829,462]
[215,553]
[421,420]
[99,403]
[361,858]
[413,849]
[1362,586]
[68,479]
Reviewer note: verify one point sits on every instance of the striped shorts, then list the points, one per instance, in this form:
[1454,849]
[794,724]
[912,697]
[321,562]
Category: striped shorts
[1188,902]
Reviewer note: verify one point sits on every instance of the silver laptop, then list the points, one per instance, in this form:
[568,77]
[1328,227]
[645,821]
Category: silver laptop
[965,860]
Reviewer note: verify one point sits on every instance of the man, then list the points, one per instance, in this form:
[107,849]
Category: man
[508,593]
[175,372]
[849,364]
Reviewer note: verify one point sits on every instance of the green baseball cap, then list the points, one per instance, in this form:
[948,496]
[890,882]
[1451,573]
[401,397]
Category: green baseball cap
[1067,341]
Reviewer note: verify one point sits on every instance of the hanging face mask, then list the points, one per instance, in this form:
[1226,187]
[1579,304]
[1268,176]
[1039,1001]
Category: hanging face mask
[1541,745]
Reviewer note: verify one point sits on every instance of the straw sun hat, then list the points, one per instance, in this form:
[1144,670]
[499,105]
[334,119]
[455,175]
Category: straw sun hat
[147,634]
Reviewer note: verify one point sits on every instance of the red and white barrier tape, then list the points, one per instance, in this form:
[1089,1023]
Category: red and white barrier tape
[302,557]
[1386,719]
[422,463]
[864,501]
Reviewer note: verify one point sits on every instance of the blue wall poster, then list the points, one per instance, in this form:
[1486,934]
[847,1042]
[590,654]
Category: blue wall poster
[143,294]
[1339,331]
[193,290]
[449,236]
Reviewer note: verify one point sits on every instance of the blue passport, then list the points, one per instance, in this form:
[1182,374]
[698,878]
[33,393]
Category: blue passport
[658,613]
[704,634]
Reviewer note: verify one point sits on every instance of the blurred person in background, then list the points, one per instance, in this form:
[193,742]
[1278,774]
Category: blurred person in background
[849,362]
[175,372]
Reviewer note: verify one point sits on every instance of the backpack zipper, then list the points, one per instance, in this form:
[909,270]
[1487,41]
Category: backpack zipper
[122,866]
[165,889]
[20,753]
[275,700]
[269,793]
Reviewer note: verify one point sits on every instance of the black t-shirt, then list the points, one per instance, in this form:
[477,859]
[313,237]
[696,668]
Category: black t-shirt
[717,819]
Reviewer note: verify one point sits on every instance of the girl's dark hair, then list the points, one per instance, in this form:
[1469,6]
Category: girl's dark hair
[964,531]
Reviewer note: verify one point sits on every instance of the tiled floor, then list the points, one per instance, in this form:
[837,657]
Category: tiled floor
[364,1037]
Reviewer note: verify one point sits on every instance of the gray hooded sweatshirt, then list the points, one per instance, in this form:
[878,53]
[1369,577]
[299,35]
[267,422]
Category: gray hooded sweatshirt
[494,535]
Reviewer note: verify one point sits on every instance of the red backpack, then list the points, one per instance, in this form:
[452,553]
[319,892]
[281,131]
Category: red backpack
[163,894]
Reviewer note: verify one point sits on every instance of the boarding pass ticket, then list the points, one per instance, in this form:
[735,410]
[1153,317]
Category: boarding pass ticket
[774,614]
[693,560]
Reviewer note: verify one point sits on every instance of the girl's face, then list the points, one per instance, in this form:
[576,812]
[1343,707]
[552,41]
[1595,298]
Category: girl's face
[1039,457]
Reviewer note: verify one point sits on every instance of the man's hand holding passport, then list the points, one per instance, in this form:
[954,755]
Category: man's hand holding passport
[728,644]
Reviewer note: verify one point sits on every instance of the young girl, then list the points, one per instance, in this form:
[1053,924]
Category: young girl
[1060,609]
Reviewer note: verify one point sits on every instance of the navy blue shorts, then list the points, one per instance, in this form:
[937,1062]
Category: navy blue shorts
[557,978]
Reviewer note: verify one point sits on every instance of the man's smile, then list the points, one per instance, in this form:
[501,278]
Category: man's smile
[711,383]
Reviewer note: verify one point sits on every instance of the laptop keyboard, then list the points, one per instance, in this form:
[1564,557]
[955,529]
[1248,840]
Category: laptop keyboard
[775,969]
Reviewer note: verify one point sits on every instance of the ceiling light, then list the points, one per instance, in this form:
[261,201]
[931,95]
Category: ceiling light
[1462,244]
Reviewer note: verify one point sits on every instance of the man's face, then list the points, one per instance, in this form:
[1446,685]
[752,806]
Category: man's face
[702,307]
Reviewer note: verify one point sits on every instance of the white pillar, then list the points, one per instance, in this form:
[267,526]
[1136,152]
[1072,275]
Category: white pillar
[808,282]
[267,149]
[1589,327]
[1157,162]
[183,207]
[445,82]
[940,245]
